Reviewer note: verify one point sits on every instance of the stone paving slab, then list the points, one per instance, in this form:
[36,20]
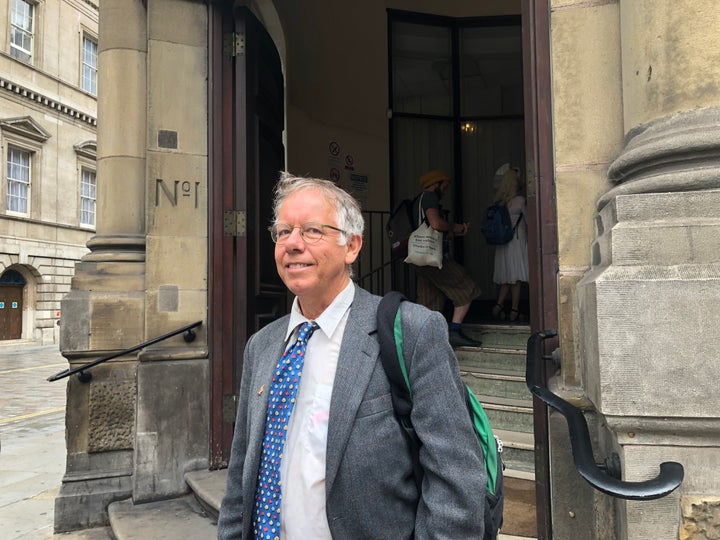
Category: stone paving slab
[24,389]
[32,438]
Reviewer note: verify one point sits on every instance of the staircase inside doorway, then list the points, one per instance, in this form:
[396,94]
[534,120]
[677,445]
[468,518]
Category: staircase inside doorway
[495,372]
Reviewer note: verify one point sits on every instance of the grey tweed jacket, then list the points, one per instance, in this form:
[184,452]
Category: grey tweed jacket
[370,489]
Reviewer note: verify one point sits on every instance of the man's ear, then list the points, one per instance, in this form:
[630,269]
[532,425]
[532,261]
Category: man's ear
[352,248]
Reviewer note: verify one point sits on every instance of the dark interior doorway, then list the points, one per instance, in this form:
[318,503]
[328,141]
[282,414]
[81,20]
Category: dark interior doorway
[456,96]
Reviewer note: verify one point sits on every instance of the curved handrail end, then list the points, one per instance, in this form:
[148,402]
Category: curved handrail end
[671,473]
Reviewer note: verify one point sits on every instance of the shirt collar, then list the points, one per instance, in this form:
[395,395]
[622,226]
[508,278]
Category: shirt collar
[328,319]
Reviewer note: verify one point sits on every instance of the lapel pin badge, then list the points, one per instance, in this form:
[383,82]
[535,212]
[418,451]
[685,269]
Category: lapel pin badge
[260,390]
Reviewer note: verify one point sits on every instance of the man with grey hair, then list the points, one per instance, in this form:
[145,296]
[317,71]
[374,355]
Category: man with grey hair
[317,451]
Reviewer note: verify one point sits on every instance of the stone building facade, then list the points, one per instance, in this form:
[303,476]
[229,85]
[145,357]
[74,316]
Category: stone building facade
[203,102]
[48,104]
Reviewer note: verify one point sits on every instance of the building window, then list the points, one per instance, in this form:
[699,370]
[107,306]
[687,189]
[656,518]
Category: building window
[88,196]
[18,180]
[89,65]
[21,30]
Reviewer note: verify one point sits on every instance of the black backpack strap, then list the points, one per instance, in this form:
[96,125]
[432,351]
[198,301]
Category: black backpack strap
[517,234]
[518,220]
[387,311]
[395,369]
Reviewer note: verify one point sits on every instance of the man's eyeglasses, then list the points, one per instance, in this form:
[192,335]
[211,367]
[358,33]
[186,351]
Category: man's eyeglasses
[311,232]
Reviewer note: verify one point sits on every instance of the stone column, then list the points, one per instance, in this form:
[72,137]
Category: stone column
[647,310]
[104,312]
[122,117]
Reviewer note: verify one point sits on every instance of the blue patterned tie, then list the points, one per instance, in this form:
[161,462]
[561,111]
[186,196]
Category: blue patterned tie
[283,389]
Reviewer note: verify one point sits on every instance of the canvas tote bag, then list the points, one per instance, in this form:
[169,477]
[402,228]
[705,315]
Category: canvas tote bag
[425,243]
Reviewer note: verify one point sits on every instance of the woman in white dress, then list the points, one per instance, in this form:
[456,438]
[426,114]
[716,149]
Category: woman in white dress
[511,259]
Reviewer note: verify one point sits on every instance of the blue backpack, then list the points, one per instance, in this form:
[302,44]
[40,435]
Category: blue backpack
[389,323]
[496,226]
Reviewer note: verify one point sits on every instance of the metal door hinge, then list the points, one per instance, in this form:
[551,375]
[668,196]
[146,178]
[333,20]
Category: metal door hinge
[229,408]
[233,44]
[234,223]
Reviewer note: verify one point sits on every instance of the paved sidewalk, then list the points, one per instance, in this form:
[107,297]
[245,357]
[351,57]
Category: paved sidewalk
[32,435]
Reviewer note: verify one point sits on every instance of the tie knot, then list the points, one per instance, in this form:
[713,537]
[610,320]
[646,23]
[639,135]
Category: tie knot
[306,330]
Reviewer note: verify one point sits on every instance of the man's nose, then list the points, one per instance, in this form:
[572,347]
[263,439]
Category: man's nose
[295,239]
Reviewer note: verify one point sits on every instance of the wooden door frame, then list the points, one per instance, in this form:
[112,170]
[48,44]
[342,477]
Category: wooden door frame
[541,213]
[220,261]
[238,119]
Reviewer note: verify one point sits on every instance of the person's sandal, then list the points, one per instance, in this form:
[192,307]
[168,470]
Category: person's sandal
[497,312]
[514,314]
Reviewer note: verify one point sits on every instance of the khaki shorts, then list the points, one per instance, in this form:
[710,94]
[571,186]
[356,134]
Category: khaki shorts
[452,281]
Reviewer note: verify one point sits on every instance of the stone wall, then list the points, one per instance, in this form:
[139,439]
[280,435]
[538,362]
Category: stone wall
[638,83]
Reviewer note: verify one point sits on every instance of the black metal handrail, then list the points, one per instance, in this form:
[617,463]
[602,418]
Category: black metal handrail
[85,376]
[375,259]
[605,477]
[373,280]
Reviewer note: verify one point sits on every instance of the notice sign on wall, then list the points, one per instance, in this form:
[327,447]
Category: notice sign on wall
[334,161]
[342,169]
[359,187]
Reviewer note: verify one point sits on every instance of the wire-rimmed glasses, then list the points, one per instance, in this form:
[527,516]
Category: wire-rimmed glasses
[311,232]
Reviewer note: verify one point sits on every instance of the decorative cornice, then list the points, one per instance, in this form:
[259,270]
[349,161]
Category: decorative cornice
[50,103]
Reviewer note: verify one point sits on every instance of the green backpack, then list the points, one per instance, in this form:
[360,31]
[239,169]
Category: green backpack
[389,323]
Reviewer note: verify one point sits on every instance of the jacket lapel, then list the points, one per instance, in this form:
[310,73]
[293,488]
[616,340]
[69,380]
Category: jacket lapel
[356,363]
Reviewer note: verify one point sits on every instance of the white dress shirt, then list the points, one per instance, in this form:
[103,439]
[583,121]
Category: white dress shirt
[302,470]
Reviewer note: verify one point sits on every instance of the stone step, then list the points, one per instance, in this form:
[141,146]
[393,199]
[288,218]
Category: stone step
[208,487]
[507,413]
[513,336]
[518,452]
[173,519]
[497,382]
[491,358]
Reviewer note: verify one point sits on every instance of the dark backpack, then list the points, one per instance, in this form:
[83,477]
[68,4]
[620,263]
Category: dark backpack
[389,323]
[399,226]
[496,226]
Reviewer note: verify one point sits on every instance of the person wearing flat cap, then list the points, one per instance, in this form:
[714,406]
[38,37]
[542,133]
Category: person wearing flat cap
[451,281]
